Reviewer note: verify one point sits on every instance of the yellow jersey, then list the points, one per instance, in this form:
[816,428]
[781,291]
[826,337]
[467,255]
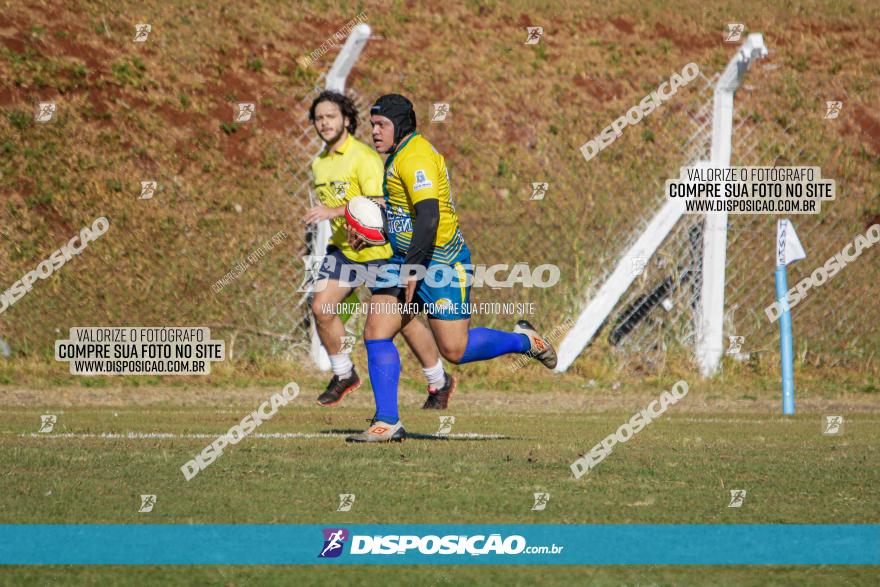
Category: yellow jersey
[353,169]
[413,173]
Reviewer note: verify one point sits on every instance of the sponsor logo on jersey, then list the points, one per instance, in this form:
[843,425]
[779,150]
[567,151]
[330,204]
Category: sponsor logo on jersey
[399,221]
[422,181]
[444,303]
[340,188]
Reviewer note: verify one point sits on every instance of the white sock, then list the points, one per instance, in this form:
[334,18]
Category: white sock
[341,365]
[435,375]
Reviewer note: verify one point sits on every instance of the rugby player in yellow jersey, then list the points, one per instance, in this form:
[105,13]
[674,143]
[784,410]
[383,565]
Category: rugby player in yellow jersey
[423,231]
[344,169]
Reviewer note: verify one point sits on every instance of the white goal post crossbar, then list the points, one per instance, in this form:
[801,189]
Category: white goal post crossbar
[709,339]
[335,80]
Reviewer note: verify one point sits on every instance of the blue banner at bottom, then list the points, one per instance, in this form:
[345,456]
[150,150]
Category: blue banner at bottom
[488,544]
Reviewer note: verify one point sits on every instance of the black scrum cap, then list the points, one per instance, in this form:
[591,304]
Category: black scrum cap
[399,111]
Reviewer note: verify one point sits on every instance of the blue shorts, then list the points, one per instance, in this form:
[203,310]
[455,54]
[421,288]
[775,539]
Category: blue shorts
[336,266]
[444,292]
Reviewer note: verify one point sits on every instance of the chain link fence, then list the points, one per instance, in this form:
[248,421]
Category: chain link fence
[776,123]
[499,138]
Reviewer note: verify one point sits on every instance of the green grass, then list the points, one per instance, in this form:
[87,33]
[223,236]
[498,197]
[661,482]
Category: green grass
[757,380]
[678,470]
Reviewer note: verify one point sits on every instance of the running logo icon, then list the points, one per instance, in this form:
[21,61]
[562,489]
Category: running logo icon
[535,34]
[148,190]
[147,503]
[736,343]
[346,500]
[539,190]
[312,265]
[347,344]
[441,110]
[245,111]
[334,540]
[541,500]
[737,497]
[47,423]
[832,109]
[141,32]
[446,423]
[833,426]
[734,32]
[44,112]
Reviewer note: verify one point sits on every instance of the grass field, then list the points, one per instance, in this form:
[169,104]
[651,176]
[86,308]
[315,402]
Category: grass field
[162,110]
[678,470]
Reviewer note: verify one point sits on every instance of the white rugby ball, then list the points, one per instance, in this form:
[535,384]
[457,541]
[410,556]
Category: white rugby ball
[366,218]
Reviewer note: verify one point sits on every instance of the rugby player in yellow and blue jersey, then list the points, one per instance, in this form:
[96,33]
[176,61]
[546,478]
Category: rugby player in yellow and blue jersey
[423,231]
[344,169]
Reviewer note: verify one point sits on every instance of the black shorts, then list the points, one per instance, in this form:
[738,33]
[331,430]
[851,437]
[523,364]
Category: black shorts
[333,265]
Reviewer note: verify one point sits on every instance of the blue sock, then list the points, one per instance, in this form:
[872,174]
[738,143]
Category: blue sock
[384,363]
[485,343]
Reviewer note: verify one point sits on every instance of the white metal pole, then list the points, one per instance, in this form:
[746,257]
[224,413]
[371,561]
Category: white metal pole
[710,321]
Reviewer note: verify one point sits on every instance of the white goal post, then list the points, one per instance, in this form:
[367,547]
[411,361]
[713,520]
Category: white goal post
[709,341]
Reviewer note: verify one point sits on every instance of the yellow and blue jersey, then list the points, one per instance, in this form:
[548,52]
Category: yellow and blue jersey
[413,173]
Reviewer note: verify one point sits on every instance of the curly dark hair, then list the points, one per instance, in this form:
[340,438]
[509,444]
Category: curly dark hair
[346,106]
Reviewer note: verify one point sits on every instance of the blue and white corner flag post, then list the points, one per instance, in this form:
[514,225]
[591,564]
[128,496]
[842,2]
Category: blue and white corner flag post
[788,250]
